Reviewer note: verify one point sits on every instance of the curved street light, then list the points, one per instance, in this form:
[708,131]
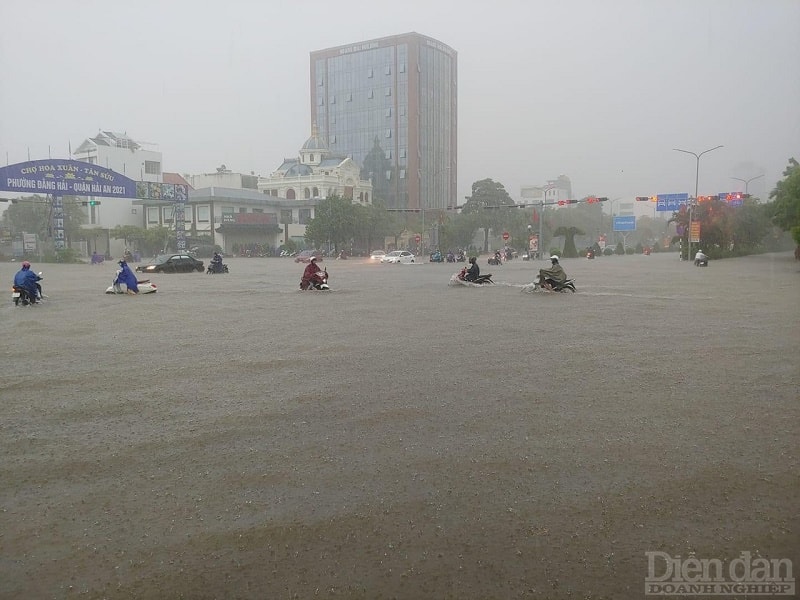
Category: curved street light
[696,182]
[747,182]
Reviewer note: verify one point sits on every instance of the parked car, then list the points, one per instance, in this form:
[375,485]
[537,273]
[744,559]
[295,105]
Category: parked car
[399,256]
[306,255]
[377,255]
[172,263]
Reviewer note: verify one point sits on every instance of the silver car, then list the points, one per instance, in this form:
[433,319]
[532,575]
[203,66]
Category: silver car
[398,256]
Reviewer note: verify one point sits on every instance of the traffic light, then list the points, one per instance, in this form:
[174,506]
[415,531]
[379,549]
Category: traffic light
[561,202]
[571,201]
[643,198]
[91,203]
[602,199]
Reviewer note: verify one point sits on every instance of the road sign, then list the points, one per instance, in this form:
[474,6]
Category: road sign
[732,198]
[506,236]
[671,202]
[624,224]
[417,239]
[695,232]
[533,243]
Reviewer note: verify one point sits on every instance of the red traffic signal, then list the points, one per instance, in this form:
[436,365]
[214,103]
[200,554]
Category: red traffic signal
[643,198]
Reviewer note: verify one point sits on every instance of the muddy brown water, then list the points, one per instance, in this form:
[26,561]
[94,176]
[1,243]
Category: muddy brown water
[233,437]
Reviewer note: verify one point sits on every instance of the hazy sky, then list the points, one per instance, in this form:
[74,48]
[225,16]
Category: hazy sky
[598,90]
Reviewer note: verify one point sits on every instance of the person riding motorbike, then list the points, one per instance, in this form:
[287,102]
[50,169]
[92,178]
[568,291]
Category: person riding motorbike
[474,270]
[28,281]
[310,274]
[700,258]
[216,263]
[554,276]
[128,277]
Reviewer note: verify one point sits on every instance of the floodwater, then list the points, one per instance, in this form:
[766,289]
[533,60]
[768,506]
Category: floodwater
[397,437]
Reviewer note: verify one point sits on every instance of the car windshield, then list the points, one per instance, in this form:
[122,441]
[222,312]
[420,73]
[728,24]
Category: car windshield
[161,259]
[395,253]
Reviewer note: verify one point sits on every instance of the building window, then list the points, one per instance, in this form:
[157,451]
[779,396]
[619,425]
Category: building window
[321,101]
[388,175]
[310,158]
[242,209]
[152,215]
[366,196]
[203,214]
[306,193]
[402,67]
[402,110]
[258,210]
[370,94]
[320,81]
[166,211]
[290,195]
[286,216]
[389,154]
[349,97]
[388,91]
[133,211]
[370,73]
[315,192]
[402,173]
[389,112]
[333,100]
[152,167]
[333,139]
[388,133]
[304,216]
[388,70]
[402,152]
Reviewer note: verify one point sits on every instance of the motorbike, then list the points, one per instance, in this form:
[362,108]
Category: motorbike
[451,258]
[211,271]
[496,260]
[318,282]
[145,287]
[701,262]
[436,257]
[461,257]
[590,254]
[567,286]
[461,278]
[21,296]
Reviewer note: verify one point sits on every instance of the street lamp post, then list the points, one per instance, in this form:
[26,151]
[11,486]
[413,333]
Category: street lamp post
[747,182]
[696,184]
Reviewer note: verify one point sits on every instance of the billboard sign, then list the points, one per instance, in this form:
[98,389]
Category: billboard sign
[671,202]
[61,177]
[624,223]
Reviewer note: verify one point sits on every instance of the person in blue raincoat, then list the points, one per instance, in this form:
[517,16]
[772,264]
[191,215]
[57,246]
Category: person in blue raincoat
[28,280]
[128,277]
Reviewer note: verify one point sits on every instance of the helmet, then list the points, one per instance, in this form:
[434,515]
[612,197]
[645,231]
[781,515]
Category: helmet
[26,264]
[472,260]
[121,263]
[313,259]
[554,257]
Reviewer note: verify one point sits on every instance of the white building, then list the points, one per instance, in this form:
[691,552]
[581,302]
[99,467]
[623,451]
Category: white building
[551,192]
[120,153]
[317,173]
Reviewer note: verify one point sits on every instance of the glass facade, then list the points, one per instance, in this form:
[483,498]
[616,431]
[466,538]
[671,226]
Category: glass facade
[399,93]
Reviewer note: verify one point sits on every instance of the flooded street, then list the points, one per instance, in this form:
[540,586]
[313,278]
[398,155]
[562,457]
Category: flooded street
[233,437]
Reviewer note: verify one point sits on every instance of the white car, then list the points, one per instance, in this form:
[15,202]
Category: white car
[398,256]
[377,255]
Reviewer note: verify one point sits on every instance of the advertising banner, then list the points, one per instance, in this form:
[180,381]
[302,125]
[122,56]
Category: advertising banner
[62,177]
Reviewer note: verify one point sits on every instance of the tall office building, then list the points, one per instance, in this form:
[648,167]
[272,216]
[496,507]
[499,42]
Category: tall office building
[391,105]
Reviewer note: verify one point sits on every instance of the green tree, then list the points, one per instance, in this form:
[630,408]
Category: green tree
[785,210]
[569,233]
[335,222]
[490,207]
[33,214]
